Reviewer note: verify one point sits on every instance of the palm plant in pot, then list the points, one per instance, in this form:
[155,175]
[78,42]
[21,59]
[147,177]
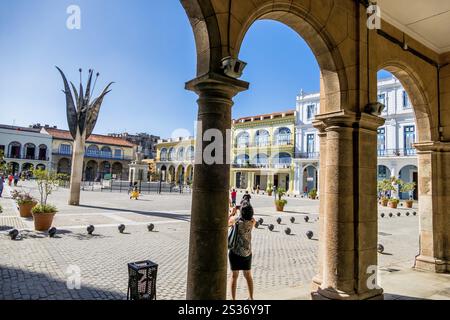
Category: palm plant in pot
[43,213]
[25,202]
[408,187]
[312,194]
[269,189]
[280,202]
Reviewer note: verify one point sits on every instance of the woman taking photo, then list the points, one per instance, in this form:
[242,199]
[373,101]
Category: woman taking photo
[241,254]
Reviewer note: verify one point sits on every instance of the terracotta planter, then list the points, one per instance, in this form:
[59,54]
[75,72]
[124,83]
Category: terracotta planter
[269,193]
[25,209]
[409,204]
[384,202]
[280,207]
[43,221]
[393,205]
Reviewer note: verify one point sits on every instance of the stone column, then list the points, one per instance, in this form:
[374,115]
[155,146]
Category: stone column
[348,208]
[434,201]
[207,263]
[77,169]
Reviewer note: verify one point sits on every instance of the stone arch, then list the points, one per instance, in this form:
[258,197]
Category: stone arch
[29,151]
[42,152]
[91,170]
[383,172]
[242,139]
[172,154]
[163,154]
[14,150]
[117,170]
[41,166]
[189,173]
[171,174]
[416,91]
[323,25]
[63,166]
[180,154]
[180,174]
[310,177]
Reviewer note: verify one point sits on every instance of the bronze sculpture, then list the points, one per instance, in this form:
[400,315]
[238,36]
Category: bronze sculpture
[81,118]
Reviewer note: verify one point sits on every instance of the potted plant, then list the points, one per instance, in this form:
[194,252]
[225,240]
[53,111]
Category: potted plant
[408,187]
[393,203]
[269,189]
[280,202]
[25,202]
[43,213]
[385,186]
[312,194]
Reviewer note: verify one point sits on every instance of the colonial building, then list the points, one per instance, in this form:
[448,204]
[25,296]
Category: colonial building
[175,160]
[396,154]
[25,148]
[262,151]
[146,142]
[105,156]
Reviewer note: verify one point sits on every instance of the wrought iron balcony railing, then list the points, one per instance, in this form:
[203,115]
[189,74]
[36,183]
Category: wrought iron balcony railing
[390,153]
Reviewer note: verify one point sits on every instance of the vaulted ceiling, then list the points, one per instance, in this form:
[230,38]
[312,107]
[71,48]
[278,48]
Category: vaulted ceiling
[427,21]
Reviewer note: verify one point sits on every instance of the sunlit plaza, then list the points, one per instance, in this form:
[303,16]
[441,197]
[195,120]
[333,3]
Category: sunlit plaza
[225,149]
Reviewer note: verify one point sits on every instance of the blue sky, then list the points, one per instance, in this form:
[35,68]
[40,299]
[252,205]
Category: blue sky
[147,47]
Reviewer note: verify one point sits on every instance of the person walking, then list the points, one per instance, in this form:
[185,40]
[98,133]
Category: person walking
[16,179]
[2,181]
[246,197]
[240,256]
[10,179]
[233,197]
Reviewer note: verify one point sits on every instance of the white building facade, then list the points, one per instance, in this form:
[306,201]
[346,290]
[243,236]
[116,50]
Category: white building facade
[396,154]
[25,148]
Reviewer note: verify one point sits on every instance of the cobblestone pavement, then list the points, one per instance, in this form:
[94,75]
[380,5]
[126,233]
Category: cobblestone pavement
[35,267]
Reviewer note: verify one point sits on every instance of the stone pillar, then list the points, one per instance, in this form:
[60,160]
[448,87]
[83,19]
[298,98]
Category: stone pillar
[348,206]
[434,201]
[207,263]
[77,169]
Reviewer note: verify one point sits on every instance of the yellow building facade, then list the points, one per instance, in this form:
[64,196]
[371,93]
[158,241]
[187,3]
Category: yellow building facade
[263,152]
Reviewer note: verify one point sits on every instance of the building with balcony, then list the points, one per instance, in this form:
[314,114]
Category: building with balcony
[25,148]
[175,160]
[105,156]
[396,153]
[263,150]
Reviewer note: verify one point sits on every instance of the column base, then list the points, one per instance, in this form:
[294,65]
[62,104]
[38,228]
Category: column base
[331,294]
[430,264]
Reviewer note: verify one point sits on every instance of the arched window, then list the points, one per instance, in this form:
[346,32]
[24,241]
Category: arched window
[42,152]
[29,151]
[181,154]
[190,153]
[92,151]
[14,150]
[106,152]
[262,138]
[242,160]
[283,136]
[65,149]
[172,154]
[163,154]
[282,160]
[261,160]
[243,140]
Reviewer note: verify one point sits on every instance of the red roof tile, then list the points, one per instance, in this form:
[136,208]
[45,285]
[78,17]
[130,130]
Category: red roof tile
[94,138]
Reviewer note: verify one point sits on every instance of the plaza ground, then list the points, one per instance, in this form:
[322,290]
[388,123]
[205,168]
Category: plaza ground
[35,267]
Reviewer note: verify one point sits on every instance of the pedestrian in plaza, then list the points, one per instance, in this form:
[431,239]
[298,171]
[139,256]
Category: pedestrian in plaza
[2,181]
[10,179]
[240,255]
[246,197]
[233,197]
[16,179]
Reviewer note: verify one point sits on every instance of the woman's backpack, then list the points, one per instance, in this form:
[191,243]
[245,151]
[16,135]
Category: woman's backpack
[232,235]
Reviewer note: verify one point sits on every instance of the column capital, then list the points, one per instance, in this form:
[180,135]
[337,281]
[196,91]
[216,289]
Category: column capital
[347,119]
[432,146]
[217,83]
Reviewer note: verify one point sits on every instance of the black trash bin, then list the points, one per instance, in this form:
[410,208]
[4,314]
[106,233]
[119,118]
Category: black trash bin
[142,280]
